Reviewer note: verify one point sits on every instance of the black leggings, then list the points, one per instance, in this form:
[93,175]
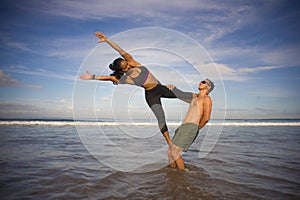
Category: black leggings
[153,100]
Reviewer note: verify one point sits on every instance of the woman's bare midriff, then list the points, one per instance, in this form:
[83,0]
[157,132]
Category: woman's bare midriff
[150,83]
[149,86]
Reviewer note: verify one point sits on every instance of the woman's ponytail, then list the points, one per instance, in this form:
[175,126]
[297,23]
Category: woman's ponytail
[115,66]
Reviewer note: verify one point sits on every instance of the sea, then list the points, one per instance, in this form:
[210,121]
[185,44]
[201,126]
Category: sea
[117,159]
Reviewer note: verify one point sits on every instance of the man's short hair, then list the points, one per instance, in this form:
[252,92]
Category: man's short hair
[210,85]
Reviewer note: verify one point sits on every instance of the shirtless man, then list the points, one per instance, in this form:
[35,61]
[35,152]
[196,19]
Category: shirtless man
[197,116]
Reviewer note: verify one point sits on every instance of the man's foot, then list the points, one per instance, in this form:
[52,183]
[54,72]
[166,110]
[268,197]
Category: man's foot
[172,165]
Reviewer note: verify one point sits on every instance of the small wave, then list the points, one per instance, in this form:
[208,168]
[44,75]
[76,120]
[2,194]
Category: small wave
[77,123]
[93,123]
[36,123]
[256,124]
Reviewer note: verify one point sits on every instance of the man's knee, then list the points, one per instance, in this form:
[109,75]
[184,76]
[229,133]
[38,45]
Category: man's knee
[176,153]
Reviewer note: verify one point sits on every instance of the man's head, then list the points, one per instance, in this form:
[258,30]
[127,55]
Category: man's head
[206,84]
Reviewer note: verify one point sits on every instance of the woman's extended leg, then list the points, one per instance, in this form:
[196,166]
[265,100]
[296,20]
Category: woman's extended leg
[175,93]
[158,111]
[154,102]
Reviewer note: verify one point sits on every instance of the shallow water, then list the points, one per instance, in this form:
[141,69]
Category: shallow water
[248,162]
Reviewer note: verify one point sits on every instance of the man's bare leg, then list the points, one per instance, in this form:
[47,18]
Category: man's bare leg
[175,152]
[172,162]
[180,163]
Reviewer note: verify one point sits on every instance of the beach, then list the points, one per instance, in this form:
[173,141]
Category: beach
[49,159]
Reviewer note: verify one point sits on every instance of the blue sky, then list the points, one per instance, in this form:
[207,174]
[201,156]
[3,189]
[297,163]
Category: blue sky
[46,44]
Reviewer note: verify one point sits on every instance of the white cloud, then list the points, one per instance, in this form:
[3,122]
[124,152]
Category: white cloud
[95,9]
[105,99]
[257,69]
[7,81]
[285,56]
[219,71]
[36,108]
[39,72]
[229,73]
[18,109]
[214,19]
[63,47]
[71,47]
[18,45]
[263,113]
[242,56]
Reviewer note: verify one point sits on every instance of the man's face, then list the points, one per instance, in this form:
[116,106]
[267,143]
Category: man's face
[202,85]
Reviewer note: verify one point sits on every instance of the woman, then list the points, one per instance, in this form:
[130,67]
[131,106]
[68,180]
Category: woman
[126,70]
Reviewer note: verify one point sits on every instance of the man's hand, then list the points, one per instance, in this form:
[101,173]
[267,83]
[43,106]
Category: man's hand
[170,86]
[101,36]
[87,76]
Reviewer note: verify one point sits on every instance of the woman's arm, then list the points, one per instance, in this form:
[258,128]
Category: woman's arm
[89,76]
[123,53]
[103,38]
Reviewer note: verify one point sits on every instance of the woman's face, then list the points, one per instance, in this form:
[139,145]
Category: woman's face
[125,66]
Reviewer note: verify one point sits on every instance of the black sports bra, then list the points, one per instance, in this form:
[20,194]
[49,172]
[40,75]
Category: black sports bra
[142,77]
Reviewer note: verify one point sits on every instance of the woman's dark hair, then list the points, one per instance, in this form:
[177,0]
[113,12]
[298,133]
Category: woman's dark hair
[115,66]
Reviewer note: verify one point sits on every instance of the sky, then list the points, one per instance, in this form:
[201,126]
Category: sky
[250,48]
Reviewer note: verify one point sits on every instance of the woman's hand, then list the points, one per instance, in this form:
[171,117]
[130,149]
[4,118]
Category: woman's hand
[87,76]
[101,36]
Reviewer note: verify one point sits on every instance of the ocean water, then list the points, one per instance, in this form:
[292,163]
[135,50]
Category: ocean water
[63,159]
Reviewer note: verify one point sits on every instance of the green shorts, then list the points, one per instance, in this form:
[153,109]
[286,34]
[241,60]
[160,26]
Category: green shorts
[185,135]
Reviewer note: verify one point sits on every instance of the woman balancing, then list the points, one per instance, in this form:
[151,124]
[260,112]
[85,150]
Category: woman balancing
[127,70]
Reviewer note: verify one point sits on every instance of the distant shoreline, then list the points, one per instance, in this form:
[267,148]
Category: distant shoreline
[111,119]
[143,122]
